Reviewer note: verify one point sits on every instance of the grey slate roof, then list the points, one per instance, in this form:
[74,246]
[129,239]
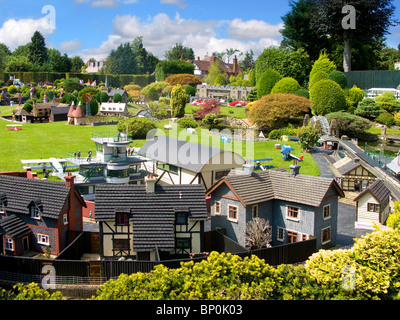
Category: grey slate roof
[280,185]
[378,189]
[13,226]
[152,214]
[184,154]
[350,166]
[20,192]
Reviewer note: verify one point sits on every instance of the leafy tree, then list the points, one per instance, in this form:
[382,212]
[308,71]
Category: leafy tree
[287,62]
[298,31]
[17,64]
[373,19]
[178,51]
[354,96]
[248,62]
[178,101]
[165,68]
[274,110]
[4,54]
[267,81]
[308,136]
[37,52]
[220,80]
[229,53]
[323,63]
[140,54]
[122,60]
[213,72]
[57,62]
[327,96]
[286,85]
[77,64]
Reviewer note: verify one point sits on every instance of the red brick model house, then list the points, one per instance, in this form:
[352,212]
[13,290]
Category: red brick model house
[38,214]
[228,69]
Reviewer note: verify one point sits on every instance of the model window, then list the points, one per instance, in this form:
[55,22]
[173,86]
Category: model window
[121,219]
[232,213]
[9,244]
[217,207]
[181,218]
[43,239]
[326,235]
[221,174]
[327,212]
[291,236]
[293,212]
[183,243]
[167,167]
[373,207]
[121,244]
[2,208]
[65,219]
[280,234]
[303,237]
[35,213]
[254,210]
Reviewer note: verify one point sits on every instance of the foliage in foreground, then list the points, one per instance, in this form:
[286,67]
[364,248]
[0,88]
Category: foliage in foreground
[31,291]
[369,270]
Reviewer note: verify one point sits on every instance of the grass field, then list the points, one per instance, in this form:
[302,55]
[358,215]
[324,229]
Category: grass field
[237,112]
[44,140]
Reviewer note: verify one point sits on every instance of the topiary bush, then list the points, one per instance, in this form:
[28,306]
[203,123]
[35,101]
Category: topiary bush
[339,77]
[322,64]
[137,127]
[327,96]
[286,85]
[266,82]
[117,98]
[318,76]
[385,118]
[187,123]
[303,93]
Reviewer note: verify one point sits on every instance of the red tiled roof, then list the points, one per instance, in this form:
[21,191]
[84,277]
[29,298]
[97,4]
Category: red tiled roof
[78,113]
[71,110]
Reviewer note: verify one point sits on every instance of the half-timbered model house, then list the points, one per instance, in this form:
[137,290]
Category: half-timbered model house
[150,221]
[37,215]
[352,174]
[372,205]
[176,161]
[298,207]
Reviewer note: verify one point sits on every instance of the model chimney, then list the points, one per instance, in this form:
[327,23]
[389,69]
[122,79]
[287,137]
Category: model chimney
[69,180]
[294,168]
[150,183]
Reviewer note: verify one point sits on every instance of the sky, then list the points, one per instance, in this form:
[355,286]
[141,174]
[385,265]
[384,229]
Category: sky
[92,28]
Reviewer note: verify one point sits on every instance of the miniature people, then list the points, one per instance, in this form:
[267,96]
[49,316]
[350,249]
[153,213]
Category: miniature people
[79,154]
[89,156]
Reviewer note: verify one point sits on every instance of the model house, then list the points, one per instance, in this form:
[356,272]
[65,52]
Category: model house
[228,69]
[372,205]
[150,222]
[352,174]
[176,161]
[222,92]
[298,207]
[38,214]
[113,109]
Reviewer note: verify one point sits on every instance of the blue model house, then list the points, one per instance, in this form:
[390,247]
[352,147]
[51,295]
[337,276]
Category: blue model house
[298,207]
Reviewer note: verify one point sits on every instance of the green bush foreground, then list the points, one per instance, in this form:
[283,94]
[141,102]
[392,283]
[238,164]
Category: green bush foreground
[369,270]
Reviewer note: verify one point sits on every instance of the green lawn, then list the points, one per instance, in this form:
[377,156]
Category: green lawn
[44,140]
[237,112]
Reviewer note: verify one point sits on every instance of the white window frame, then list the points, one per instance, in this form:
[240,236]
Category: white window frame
[323,212]
[35,212]
[292,218]
[237,213]
[2,208]
[283,234]
[330,233]
[43,239]
[215,208]
[9,244]
[65,219]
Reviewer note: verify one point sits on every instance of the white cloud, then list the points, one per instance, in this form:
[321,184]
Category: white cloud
[253,29]
[70,46]
[14,33]
[161,32]
[180,3]
[105,3]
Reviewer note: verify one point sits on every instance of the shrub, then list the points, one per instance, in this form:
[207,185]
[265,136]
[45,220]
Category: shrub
[327,96]
[367,108]
[220,80]
[208,106]
[187,123]
[274,110]
[339,77]
[117,97]
[350,125]
[266,82]
[72,86]
[276,134]
[355,95]
[308,137]
[178,101]
[157,86]
[12,89]
[318,76]
[68,98]
[388,101]
[137,127]
[27,107]
[190,91]
[303,93]
[286,85]
[102,96]
[183,79]
[397,118]
[211,120]
[385,118]
[322,64]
